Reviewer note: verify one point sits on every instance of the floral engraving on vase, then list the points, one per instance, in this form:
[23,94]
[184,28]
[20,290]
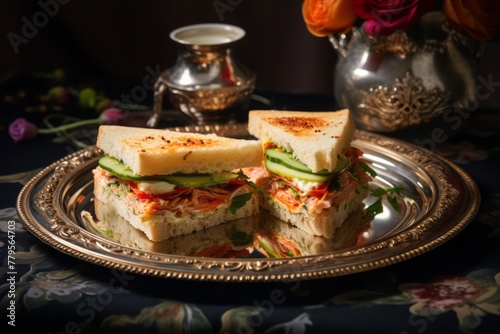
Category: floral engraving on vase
[407,102]
[398,42]
[403,46]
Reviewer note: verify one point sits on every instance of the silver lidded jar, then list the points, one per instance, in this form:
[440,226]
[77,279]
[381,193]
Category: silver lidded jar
[393,83]
[206,83]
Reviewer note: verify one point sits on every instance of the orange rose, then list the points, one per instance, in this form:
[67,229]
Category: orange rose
[325,17]
[477,18]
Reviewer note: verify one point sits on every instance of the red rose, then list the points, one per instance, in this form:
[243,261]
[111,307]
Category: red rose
[386,16]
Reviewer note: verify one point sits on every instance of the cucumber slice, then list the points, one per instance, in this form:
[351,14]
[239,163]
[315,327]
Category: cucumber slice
[118,168]
[285,171]
[286,159]
[199,180]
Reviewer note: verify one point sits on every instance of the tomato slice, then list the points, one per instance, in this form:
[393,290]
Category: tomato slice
[321,190]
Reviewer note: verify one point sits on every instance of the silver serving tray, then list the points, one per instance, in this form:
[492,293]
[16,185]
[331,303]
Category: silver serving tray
[440,200]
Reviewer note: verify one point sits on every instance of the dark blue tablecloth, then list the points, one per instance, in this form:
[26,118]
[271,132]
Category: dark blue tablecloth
[454,288]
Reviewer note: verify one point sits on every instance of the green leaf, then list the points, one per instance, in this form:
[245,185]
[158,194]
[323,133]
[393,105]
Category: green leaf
[374,209]
[334,184]
[239,201]
[398,190]
[379,192]
[240,238]
[390,194]
[393,201]
[242,175]
[367,169]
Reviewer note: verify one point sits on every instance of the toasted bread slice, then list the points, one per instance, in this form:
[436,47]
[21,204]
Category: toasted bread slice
[314,138]
[161,152]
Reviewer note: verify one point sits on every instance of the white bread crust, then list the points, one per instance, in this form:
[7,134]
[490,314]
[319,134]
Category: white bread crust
[157,152]
[314,138]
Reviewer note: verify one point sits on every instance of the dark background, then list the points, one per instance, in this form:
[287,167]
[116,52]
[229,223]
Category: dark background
[120,39]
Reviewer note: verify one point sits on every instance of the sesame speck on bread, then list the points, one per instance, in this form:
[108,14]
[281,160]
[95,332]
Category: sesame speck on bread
[314,138]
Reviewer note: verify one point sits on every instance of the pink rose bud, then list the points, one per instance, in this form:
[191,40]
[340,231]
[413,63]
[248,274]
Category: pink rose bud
[111,116]
[21,129]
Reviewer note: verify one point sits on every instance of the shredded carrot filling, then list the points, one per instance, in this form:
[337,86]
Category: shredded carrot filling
[181,201]
[322,197]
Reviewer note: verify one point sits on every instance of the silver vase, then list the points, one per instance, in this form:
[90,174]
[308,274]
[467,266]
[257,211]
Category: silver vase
[393,82]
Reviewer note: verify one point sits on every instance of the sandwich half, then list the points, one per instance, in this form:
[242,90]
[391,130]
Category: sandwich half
[311,176]
[167,183]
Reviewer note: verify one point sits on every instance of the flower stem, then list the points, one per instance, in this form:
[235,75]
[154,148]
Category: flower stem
[66,119]
[70,126]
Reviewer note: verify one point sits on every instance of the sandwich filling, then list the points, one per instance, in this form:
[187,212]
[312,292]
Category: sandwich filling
[175,195]
[290,182]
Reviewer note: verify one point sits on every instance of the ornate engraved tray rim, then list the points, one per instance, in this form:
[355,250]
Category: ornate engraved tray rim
[452,206]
